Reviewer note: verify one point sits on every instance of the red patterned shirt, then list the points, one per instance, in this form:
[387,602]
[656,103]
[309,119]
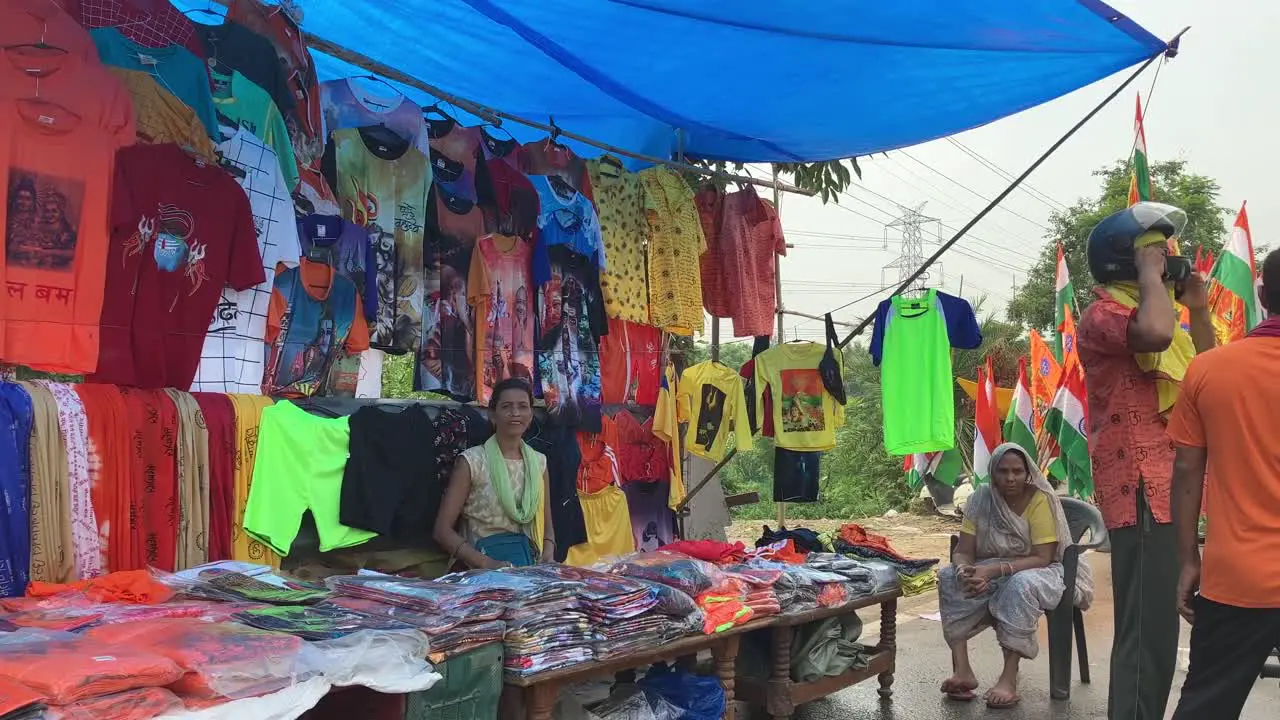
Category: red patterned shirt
[150,23]
[1127,438]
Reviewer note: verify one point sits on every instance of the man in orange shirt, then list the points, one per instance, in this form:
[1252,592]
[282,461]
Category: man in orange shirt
[1221,423]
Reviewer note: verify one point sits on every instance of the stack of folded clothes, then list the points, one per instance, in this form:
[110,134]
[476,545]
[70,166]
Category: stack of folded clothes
[224,585]
[546,627]
[623,612]
[758,584]
[316,623]
[861,579]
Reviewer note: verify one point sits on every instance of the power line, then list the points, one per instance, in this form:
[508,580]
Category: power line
[1006,175]
[971,191]
[962,208]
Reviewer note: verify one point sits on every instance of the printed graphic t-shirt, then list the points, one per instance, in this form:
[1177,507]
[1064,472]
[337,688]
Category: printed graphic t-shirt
[805,416]
[566,217]
[56,179]
[232,358]
[446,361]
[384,189]
[501,293]
[710,398]
[571,321]
[180,231]
[315,315]
[160,117]
[676,243]
[235,46]
[345,105]
[912,344]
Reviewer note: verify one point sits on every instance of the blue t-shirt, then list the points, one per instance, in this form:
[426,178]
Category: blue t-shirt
[962,326]
[352,253]
[176,68]
[564,220]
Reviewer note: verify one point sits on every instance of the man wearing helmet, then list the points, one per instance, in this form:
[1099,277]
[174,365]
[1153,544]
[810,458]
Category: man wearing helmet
[1135,354]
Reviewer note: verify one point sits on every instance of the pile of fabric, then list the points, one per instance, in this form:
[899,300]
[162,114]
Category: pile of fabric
[918,575]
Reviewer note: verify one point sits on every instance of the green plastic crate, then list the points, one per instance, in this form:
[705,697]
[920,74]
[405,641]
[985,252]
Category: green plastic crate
[469,690]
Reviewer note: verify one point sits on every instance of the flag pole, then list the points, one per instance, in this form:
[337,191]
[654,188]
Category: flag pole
[1170,50]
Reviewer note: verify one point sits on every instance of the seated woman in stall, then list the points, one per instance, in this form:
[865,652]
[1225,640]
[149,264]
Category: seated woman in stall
[496,512]
[1005,573]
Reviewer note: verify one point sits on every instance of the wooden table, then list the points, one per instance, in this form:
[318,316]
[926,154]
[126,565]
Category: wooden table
[781,695]
[540,691]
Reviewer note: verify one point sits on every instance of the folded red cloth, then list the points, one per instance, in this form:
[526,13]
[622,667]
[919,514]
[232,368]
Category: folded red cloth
[711,551]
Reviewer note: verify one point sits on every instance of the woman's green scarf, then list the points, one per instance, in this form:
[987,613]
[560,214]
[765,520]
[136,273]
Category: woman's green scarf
[531,499]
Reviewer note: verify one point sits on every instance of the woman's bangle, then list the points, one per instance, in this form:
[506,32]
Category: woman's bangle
[546,540]
[1003,566]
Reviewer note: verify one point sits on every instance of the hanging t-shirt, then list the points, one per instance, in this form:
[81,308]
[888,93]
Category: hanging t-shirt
[162,118]
[235,46]
[715,297]
[675,244]
[652,522]
[56,178]
[642,456]
[338,242]
[745,260]
[150,23]
[69,79]
[912,344]
[232,358]
[544,157]
[666,427]
[710,399]
[620,202]
[571,321]
[566,218]
[29,21]
[456,159]
[515,201]
[383,187]
[241,104]
[564,457]
[501,294]
[345,104]
[315,314]
[181,230]
[805,415]
[446,360]
[176,68]
[630,363]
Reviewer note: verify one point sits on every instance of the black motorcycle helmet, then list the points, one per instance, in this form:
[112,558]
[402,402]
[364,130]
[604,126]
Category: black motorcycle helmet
[1111,244]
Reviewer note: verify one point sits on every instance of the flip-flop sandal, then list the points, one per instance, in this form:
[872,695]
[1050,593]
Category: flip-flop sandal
[961,695]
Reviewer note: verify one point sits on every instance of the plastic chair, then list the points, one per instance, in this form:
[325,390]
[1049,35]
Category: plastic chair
[1067,619]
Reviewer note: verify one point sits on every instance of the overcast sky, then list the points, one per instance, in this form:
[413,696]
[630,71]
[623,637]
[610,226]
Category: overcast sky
[1208,108]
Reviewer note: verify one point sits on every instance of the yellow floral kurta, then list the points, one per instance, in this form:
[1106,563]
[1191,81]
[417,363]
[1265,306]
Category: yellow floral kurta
[676,243]
[620,203]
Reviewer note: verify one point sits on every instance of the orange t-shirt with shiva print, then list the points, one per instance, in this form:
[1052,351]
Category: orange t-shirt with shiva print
[1228,396]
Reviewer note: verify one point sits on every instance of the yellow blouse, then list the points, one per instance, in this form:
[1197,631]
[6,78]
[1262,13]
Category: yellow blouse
[675,245]
[620,204]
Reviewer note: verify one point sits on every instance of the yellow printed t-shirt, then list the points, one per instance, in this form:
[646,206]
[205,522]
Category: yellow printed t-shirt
[805,416]
[1038,515]
[666,427]
[620,204]
[676,244]
[711,399]
[162,118]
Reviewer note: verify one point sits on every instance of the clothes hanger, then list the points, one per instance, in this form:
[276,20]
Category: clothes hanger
[553,140]
[40,44]
[207,10]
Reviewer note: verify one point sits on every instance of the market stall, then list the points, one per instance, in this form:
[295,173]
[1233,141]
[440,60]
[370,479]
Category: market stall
[226,221]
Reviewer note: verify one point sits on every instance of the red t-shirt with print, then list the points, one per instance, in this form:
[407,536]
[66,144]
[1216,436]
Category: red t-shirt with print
[181,229]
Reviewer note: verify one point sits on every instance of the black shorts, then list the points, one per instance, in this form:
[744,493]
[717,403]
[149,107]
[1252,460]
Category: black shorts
[795,475]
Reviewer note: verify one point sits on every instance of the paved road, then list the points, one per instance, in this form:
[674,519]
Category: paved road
[923,661]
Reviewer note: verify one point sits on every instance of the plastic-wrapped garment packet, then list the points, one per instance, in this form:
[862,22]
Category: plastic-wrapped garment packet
[221,660]
[141,704]
[78,616]
[690,576]
[527,587]
[418,594]
[288,704]
[635,704]
[755,576]
[670,601]
[383,661]
[884,576]
[427,622]
[67,668]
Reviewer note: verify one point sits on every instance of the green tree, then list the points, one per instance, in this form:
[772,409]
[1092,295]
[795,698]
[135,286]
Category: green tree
[1172,183]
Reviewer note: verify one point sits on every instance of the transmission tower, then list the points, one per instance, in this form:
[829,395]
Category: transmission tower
[911,228]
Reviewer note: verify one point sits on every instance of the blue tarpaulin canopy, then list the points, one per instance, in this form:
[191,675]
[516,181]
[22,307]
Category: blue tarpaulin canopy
[753,80]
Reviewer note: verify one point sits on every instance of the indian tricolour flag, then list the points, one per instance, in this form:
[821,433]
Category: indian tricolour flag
[1064,294]
[1140,180]
[943,465]
[1236,306]
[986,420]
[1066,424]
[1021,419]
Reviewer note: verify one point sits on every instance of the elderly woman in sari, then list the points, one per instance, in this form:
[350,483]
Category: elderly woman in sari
[1005,573]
